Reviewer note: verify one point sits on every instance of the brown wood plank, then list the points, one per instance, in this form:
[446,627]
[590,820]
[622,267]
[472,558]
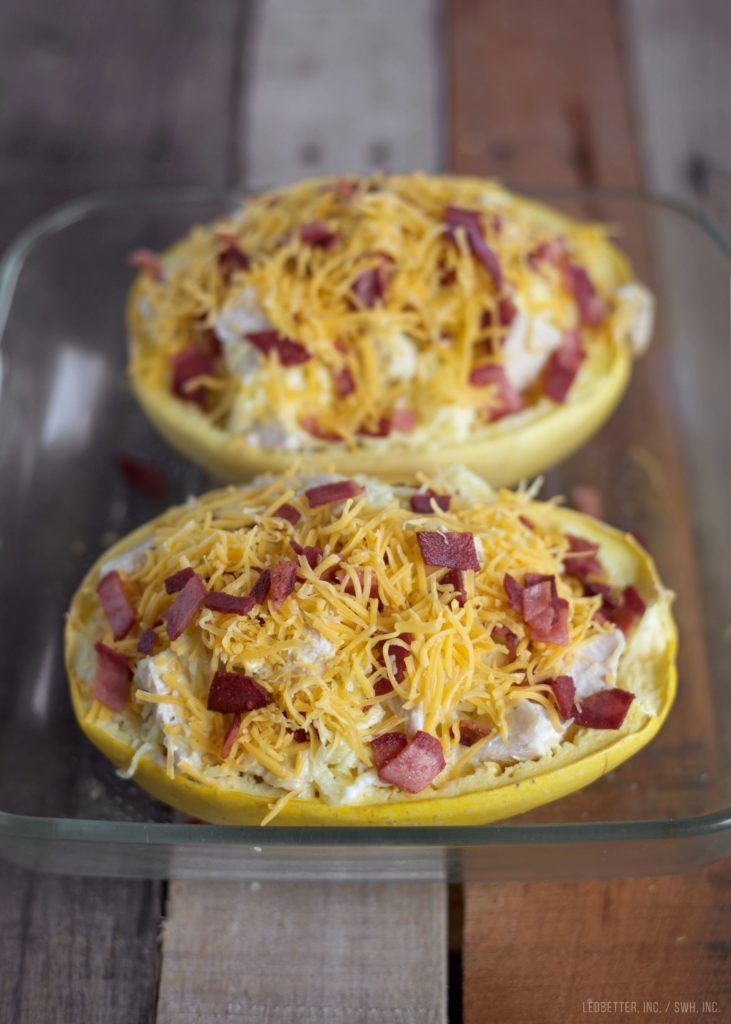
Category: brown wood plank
[539,95]
[551,947]
[95,96]
[304,954]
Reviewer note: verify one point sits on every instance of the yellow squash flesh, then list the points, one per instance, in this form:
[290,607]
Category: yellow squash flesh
[647,668]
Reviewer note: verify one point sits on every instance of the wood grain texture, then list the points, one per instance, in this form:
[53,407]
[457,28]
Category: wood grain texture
[341,85]
[625,941]
[304,954]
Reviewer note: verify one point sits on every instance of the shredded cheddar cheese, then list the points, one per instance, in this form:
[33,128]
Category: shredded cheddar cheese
[404,342]
[320,654]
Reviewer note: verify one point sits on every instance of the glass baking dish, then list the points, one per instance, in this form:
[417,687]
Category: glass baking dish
[66,415]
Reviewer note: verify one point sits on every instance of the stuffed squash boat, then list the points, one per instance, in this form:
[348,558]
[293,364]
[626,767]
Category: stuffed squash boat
[385,325]
[330,650]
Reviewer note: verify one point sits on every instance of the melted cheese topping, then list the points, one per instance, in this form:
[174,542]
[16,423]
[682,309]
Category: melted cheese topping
[413,349]
[320,654]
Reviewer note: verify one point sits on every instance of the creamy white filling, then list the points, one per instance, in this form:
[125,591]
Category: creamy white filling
[634,317]
[398,355]
[597,663]
[529,343]
[530,733]
[129,561]
[149,676]
[239,317]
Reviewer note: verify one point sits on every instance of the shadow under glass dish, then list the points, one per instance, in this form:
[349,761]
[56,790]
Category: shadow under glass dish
[66,413]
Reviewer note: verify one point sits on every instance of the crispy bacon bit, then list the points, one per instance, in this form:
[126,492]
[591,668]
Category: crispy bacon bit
[423,503]
[397,651]
[416,765]
[472,732]
[606,709]
[141,475]
[508,399]
[185,607]
[344,383]
[115,604]
[369,287]
[260,589]
[554,252]
[231,258]
[538,603]
[381,687]
[381,428]
[233,693]
[288,512]
[211,343]
[283,579]
[231,736]
[386,746]
[563,692]
[563,366]
[287,351]
[344,577]
[146,642]
[313,556]
[147,261]
[339,490]
[452,550]
[403,420]
[318,235]
[455,578]
[471,223]
[300,735]
[178,580]
[506,637]
[527,523]
[312,426]
[229,604]
[187,365]
[591,306]
[506,313]
[112,678]
[581,559]
[629,612]
[588,499]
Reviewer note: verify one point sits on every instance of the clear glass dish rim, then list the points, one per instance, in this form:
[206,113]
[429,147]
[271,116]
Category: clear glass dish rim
[166,833]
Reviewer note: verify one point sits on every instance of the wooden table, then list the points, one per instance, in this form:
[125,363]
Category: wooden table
[576,92]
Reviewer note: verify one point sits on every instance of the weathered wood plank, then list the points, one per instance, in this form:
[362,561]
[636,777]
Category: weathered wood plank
[304,954]
[553,947]
[342,86]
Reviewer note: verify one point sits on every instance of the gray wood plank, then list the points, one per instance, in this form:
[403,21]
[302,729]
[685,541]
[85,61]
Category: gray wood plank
[304,954]
[342,85]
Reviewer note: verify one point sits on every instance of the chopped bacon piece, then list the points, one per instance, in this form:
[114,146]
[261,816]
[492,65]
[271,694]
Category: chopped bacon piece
[423,503]
[563,366]
[455,578]
[141,475]
[339,490]
[148,261]
[369,287]
[231,692]
[211,343]
[318,235]
[300,735]
[187,365]
[261,588]
[178,580]
[115,604]
[344,383]
[592,308]
[349,588]
[505,636]
[231,258]
[543,611]
[527,523]
[580,560]
[563,692]
[288,512]
[229,604]
[287,351]
[553,251]
[606,709]
[629,612]
[471,223]
[381,687]
[416,765]
[231,736]
[112,678]
[472,732]
[283,579]
[346,188]
[386,746]
[381,428]
[146,642]
[506,313]
[398,652]
[588,499]
[508,399]
[403,419]
[185,607]
[312,426]
[313,556]
[514,591]
[452,550]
